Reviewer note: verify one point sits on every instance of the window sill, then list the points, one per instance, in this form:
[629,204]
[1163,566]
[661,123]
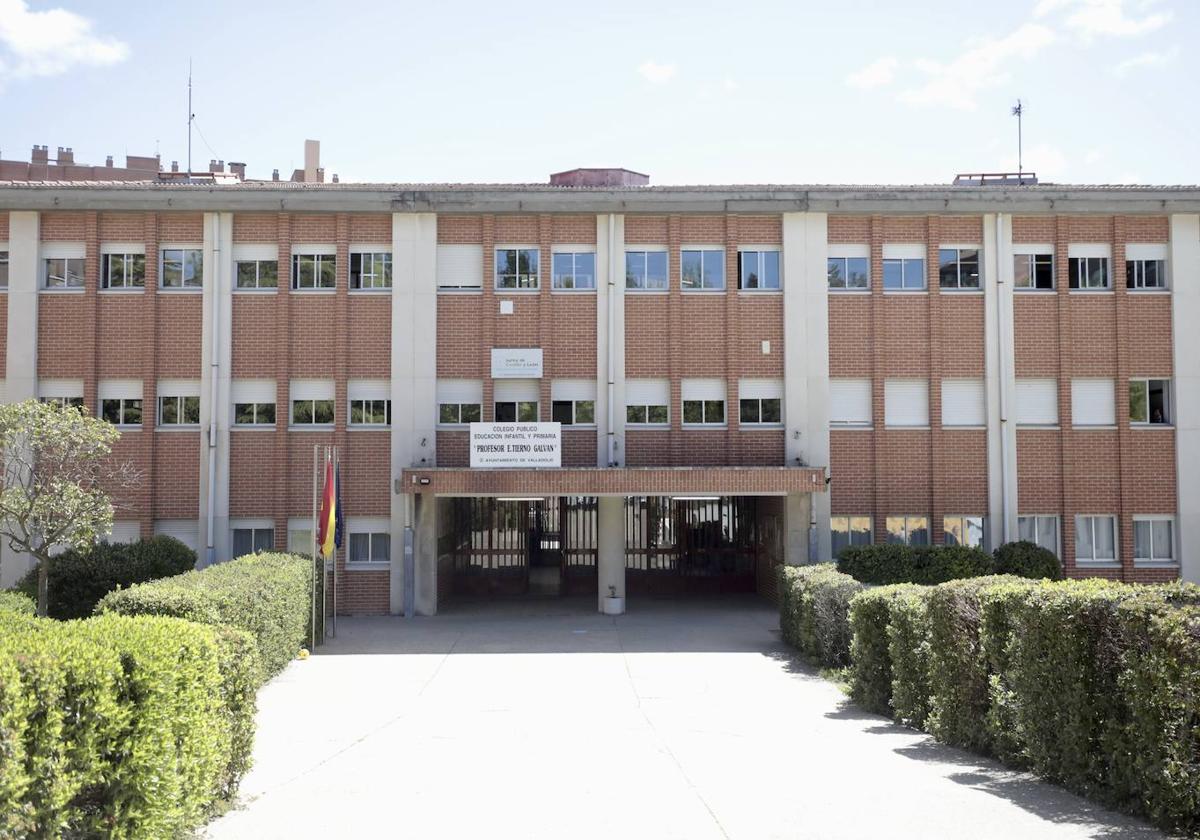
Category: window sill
[518,291]
[1024,291]
[851,427]
[972,427]
[849,291]
[629,291]
[315,292]
[906,428]
[187,291]
[703,291]
[311,427]
[269,290]
[648,427]
[583,427]
[454,427]
[367,567]
[455,290]
[765,427]
[369,292]
[1147,427]
[252,427]
[572,291]
[368,427]
[67,290]
[1155,564]
[758,292]
[950,290]
[1087,292]
[127,427]
[178,427]
[1148,292]
[1048,427]
[136,290]
[1096,428]
[703,426]
[1097,564]
[903,292]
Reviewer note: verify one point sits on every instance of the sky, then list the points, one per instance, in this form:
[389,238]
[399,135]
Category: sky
[790,92]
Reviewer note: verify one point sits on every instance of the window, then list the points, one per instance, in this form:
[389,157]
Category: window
[252,540]
[371,270]
[758,270]
[573,270]
[123,271]
[257,274]
[121,412]
[1149,401]
[1145,274]
[178,411]
[1095,539]
[963,402]
[904,274]
[958,268]
[906,402]
[460,266]
[646,270]
[573,412]
[370,412]
[254,414]
[908,530]
[963,530]
[64,273]
[517,268]
[63,402]
[519,411]
[1088,273]
[1037,402]
[1153,539]
[848,272]
[761,411]
[299,536]
[1040,530]
[182,268]
[659,415]
[1033,271]
[306,412]
[647,402]
[1093,402]
[370,548]
[707,412]
[454,413]
[314,271]
[3,269]
[849,530]
[849,402]
[702,269]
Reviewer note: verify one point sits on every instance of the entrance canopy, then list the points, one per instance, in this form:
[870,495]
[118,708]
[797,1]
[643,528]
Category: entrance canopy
[614,481]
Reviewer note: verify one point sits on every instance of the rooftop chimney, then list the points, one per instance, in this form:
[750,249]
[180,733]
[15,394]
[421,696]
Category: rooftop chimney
[108,161]
[216,166]
[614,177]
[174,166]
[66,157]
[312,160]
[320,175]
[238,169]
[41,154]
[274,174]
[335,178]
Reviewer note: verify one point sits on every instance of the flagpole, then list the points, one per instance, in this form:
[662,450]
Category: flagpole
[338,515]
[312,547]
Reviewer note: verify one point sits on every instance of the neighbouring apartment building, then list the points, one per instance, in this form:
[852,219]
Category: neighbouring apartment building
[742,375]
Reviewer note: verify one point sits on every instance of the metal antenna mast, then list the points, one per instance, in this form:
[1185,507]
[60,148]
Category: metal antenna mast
[1018,111]
[191,116]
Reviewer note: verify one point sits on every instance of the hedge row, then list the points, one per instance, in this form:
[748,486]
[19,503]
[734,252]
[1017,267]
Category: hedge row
[268,595]
[1092,684]
[120,727]
[17,602]
[78,580]
[814,611]
[887,564]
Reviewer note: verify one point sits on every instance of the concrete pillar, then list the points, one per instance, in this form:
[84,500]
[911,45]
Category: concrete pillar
[610,545]
[414,374]
[425,555]
[1000,384]
[610,318]
[1185,313]
[217,308]
[797,515]
[20,378]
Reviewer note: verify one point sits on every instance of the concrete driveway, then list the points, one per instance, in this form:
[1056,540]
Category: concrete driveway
[545,720]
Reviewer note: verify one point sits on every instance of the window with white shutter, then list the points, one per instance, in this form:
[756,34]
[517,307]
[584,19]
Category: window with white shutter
[1093,402]
[963,402]
[460,266]
[850,402]
[906,402]
[1037,402]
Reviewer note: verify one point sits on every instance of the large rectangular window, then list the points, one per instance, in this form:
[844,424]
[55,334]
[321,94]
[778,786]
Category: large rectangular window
[702,269]
[758,270]
[178,411]
[63,273]
[765,411]
[963,530]
[182,268]
[848,273]
[646,270]
[647,402]
[3,269]
[1153,539]
[573,270]
[849,402]
[257,274]
[1088,273]
[517,268]
[312,412]
[573,412]
[314,271]
[849,530]
[371,270]
[908,530]
[370,412]
[254,414]
[253,540]
[1095,539]
[1040,530]
[1146,274]
[121,411]
[123,271]
[451,414]
[370,548]
[1033,272]
[1149,401]
[1093,402]
[958,268]
[516,411]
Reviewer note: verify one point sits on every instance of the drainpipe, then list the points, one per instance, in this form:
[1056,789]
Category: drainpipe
[612,354]
[210,552]
[1003,372]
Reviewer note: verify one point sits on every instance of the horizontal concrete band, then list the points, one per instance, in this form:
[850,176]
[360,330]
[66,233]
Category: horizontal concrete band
[616,481]
[501,198]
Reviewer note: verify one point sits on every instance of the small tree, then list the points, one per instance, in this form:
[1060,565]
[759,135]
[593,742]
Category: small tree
[58,472]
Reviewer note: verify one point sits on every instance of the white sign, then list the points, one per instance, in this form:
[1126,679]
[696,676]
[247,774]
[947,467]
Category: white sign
[516,445]
[516,363]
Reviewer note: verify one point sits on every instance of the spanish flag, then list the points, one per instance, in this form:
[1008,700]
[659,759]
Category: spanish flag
[327,522]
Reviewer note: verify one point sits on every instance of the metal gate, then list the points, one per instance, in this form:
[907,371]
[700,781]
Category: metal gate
[681,545]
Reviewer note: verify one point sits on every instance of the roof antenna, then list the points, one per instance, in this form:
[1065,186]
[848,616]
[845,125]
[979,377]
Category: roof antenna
[191,117]
[1017,111]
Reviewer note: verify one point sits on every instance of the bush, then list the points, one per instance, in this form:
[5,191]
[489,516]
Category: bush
[996,607]
[78,580]
[267,595]
[1027,560]
[17,602]
[815,611]
[909,652]
[871,674]
[887,563]
[118,726]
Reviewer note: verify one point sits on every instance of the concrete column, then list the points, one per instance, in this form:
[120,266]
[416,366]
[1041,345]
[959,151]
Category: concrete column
[414,379]
[425,554]
[217,309]
[1000,384]
[610,320]
[797,514]
[806,359]
[20,382]
[610,545]
[1185,314]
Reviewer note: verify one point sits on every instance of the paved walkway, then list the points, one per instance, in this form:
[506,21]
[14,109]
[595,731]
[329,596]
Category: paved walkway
[549,721]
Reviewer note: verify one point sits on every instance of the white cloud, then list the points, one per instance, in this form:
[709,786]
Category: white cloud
[1090,18]
[876,74]
[984,64]
[1149,59]
[50,42]
[657,73]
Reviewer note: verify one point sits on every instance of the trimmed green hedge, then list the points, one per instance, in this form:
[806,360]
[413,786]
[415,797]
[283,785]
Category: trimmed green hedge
[1027,560]
[871,675]
[814,611]
[118,726]
[78,580]
[909,652]
[17,602]
[267,595]
[884,564]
